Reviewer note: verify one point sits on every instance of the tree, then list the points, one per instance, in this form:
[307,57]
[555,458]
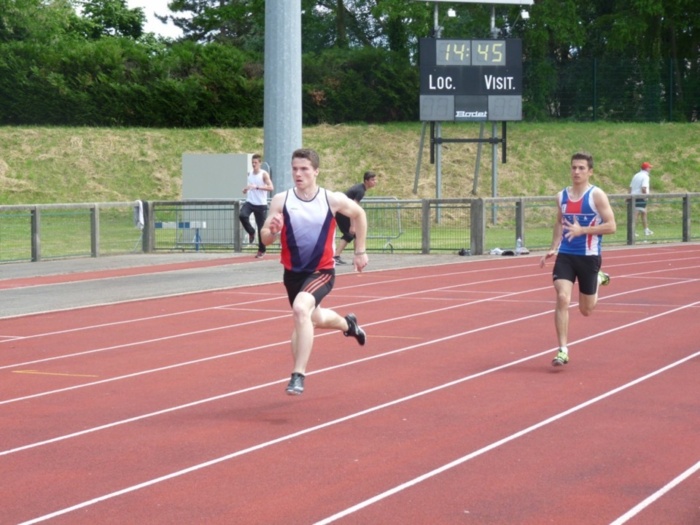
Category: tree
[236,22]
[113,18]
[584,59]
[40,21]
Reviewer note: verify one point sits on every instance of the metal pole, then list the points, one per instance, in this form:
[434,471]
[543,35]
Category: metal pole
[475,188]
[438,135]
[438,170]
[436,25]
[420,157]
[282,113]
[494,31]
[494,134]
[494,170]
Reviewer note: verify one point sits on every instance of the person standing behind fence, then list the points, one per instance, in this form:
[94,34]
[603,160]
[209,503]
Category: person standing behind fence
[584,215]
[356,193]
[303,217]
[640,186]
[259,184]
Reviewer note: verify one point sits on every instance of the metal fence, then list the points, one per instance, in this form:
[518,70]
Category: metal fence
[475,226]
[53,231]
[193,225]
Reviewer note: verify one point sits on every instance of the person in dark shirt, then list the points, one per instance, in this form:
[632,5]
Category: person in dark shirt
[356,193]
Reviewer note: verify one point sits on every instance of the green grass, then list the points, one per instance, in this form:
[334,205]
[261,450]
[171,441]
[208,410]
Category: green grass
[55,165]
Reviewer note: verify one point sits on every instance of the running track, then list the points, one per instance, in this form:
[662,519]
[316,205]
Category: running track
[173,410]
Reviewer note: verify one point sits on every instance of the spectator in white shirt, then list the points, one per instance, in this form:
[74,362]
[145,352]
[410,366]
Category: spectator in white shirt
[640,186]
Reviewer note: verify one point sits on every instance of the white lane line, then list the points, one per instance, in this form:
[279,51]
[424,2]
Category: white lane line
[142,319]
[496,444]
[228,290]
[656,495]
[337,290]
[268,319]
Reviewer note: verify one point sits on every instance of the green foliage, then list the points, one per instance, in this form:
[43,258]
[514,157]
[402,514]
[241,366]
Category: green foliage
[36,20]
[239,23]
[554,30]
[113,17]
[364,85]
[634,60]
[116,81]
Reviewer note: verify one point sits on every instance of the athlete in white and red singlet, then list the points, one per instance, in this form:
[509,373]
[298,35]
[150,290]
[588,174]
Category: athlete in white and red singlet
[304,217]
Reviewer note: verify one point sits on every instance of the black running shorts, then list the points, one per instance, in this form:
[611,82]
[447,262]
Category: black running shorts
[585,268]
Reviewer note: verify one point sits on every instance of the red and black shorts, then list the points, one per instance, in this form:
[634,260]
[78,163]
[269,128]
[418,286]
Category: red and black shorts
[319,284]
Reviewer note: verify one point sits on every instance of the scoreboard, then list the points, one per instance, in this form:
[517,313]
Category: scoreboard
[470,80]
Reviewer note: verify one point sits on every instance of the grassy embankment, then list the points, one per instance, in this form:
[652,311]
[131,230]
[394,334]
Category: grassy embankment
[50,165]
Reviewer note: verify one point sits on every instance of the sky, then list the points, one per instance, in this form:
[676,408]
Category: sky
[153,25]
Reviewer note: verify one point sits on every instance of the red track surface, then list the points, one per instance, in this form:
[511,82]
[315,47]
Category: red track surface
[173,410]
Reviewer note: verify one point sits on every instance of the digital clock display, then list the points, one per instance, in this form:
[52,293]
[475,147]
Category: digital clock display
[453,53]
[488,53]
[471,79]
[470,52]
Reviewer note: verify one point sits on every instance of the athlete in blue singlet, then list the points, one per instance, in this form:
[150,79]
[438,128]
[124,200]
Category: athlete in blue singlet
[584,215]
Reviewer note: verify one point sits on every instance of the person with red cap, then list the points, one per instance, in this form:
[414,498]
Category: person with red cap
[640,186]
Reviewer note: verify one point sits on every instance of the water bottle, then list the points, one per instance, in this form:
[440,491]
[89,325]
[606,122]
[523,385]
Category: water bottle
[518,246]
